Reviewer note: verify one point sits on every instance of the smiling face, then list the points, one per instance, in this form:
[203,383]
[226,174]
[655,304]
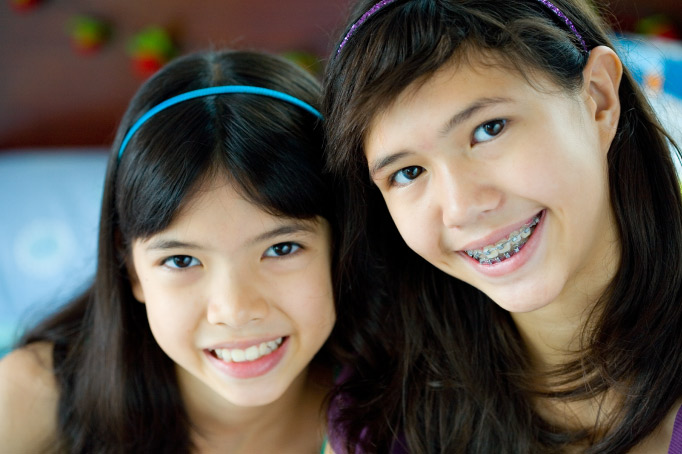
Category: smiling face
[500,184]
[240,299]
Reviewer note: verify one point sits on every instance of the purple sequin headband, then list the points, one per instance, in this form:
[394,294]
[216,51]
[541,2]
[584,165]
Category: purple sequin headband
[568,22]
[379,5]
[370,12]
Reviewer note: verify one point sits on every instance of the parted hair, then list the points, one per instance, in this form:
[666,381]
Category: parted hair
[436,365]
[118,389]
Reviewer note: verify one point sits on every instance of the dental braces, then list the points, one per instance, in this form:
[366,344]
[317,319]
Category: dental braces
[505,248]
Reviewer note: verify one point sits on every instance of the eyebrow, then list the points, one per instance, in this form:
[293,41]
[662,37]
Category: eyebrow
[454,121]
[163,244]
[468,112]
[292,226]
[385,161]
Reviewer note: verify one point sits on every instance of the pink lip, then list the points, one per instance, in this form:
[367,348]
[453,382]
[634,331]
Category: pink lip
[497,235]
[249,369]
[517,260]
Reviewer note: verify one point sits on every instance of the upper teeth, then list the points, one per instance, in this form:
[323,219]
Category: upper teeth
[506,247]
[252,353]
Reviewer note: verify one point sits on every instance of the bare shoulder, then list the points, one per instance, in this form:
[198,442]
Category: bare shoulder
[28,399]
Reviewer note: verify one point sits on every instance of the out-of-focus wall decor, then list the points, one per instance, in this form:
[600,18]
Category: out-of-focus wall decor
[69,67]
[661,18]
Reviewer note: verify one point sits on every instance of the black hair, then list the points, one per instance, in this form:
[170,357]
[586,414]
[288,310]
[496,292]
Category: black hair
[434,359]
[118,389]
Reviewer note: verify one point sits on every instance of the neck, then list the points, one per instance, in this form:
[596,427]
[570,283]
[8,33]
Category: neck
[556,335]
[553,334]
[221,426]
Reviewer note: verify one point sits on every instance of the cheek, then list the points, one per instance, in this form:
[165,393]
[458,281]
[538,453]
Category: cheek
[427,246]
[321,299]
[321,324]
[416,225]
[318,301]
[170,321]
[569,179]
[310,302]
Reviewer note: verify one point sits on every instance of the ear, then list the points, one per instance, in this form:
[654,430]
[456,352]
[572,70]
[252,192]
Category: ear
[135,285]
[601,80]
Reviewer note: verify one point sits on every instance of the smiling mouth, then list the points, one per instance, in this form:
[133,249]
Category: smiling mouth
[506,247]
[237,355]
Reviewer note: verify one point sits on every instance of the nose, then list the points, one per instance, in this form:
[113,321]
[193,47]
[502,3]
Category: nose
[464,195]
[236,300]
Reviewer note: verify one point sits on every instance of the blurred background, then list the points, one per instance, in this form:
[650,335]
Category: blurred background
[69,67]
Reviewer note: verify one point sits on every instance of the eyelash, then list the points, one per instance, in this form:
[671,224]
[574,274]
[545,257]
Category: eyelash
[500,123]
[294,248]
[271,252]
[170,262]
[393,180]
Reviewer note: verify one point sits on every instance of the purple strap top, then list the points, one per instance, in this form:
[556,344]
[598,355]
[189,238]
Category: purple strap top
[676,440]
[336,432]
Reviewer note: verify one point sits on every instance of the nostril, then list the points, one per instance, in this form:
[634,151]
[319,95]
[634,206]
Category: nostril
[228,312]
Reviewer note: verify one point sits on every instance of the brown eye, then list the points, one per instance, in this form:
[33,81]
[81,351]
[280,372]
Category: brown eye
[282,249]
[488,131]
[181,261]
[406,175]
[493,128]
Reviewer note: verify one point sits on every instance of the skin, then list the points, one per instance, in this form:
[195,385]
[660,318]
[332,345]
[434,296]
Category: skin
[455,186]
[251,277]
[227,274]
[475,152]
[28,400]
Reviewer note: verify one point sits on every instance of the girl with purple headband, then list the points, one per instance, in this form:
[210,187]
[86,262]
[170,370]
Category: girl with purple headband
[523,218]
[205,328]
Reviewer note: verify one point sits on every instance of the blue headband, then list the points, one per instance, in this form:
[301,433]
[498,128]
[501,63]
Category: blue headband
[220,90]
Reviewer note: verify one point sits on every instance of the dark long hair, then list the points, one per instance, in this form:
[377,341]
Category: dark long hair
[119,391]
[439,367]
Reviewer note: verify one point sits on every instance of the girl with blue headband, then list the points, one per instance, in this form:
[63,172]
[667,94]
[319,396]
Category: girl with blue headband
[525,223]
[213,295]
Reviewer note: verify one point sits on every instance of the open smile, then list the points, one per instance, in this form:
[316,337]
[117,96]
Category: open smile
[250,362]
[506,247]
[253,353]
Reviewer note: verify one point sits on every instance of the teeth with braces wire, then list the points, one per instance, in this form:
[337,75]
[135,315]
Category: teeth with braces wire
[505,248]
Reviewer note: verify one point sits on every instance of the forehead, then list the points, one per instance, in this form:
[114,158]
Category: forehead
[448,106]
[217,217]
[221,196]
[464,79]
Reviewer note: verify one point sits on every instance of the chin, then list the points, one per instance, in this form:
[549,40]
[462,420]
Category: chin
[517,307]
[253,398]
[524,300]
